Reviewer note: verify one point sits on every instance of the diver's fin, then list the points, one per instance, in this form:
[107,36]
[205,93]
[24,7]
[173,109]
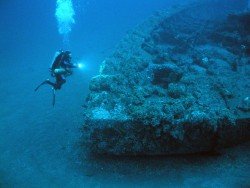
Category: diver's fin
[54,97]
[44,82]
[39,86]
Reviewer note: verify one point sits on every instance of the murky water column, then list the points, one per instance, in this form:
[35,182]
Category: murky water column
[65,18]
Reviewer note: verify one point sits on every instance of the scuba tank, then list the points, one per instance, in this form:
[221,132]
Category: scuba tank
[57,60]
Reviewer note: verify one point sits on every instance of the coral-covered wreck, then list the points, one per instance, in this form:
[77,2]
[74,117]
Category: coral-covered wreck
[179,83]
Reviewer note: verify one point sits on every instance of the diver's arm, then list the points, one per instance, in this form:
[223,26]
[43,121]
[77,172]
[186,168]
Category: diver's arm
[71,65]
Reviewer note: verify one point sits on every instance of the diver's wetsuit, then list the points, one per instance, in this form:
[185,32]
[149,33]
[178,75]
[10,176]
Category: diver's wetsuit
[59,69]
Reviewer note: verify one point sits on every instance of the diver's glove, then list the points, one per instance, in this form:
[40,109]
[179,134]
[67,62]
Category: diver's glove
[75,65]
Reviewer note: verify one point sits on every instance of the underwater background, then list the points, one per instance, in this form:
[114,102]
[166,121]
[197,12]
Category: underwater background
[39,144]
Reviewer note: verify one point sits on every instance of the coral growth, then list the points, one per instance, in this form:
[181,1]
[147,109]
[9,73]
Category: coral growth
[176,84]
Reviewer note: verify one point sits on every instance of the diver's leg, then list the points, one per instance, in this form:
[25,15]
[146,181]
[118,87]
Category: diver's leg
[45,82]
[60,80]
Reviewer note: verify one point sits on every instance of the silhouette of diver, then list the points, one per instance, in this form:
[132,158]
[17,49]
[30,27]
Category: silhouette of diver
[60,69]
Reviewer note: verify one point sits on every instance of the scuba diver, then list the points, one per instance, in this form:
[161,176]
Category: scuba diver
[60,69]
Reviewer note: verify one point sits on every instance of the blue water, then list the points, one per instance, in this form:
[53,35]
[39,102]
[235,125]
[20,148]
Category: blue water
[39,143]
